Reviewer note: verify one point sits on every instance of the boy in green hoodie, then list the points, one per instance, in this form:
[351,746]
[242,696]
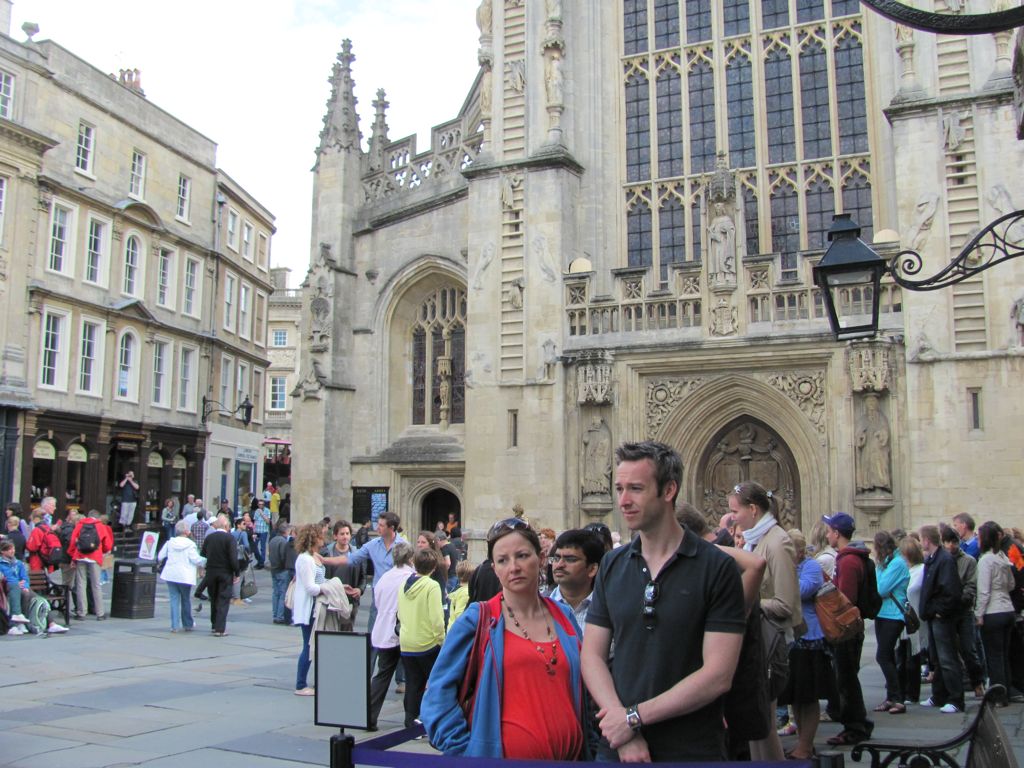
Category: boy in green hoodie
[421,622]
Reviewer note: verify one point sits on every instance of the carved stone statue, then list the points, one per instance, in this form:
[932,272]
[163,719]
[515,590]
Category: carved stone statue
[1000,200]
[1017,321]
[722,232]
[486,257]
[873,449]
[924,214]
[484,18]
[597,459]
[555,81]
[954,132]
[723,319]
[515,293]
[320,314]
[485,93]
[517,75]
[549,359]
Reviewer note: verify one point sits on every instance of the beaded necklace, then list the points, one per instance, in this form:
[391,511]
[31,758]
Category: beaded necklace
[548,665]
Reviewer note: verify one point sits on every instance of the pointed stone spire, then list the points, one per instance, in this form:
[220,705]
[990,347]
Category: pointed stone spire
[341,123]
[379,134]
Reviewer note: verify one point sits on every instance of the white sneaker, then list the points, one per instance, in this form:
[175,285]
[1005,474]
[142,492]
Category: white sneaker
[928,703]
[17,631]
[56,629]
[19,618]
[950,709]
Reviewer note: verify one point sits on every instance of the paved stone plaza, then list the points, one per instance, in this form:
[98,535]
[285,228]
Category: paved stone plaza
[128,692]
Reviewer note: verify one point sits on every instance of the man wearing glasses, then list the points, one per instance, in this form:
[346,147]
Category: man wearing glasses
[574,565]
[673,605]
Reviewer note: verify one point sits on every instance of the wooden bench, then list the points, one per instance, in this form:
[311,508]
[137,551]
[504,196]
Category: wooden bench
[987,744]
[57,595]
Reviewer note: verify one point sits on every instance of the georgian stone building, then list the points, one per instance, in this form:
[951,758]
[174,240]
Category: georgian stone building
[112,277]
[614,240]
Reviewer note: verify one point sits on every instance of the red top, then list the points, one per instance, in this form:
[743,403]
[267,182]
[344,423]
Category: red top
[538,718]
[106,541]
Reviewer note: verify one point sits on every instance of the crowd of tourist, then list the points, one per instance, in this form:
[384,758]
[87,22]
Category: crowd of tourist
[688,642]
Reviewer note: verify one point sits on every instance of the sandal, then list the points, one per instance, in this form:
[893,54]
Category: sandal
[885,706]
[848,739]
[898,709]
[791,755]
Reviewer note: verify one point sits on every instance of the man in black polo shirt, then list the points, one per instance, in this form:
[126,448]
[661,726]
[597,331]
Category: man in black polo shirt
[673,604]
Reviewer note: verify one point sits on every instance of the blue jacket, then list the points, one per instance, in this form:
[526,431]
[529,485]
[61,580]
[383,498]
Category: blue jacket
[811,578]
[892,578]
[14,571]
[440,712]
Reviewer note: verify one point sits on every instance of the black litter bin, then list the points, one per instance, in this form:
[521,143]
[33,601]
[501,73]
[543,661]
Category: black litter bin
[134,592]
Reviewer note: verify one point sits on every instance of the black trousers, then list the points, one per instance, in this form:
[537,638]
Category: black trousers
[852,712]
[387,660]
[417,670]
[887,634]
[218,584]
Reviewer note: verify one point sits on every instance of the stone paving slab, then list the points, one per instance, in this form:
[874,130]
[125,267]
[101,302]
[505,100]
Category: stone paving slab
[84,756]
[21,746]
[137,694]
[283,747]
[221,759]
[43,714]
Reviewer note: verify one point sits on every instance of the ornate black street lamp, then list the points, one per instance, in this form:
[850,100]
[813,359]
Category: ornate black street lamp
[850,271]
[214,406]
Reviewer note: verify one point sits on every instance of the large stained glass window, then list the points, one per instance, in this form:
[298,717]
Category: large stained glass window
[438,350]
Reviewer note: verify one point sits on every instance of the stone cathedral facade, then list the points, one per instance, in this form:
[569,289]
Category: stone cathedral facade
[613,240]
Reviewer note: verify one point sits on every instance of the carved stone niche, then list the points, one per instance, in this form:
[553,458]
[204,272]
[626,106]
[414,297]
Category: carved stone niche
[594,378]
[870,366]
[596,459]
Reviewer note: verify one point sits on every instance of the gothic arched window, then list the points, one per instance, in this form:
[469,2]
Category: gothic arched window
[439,359]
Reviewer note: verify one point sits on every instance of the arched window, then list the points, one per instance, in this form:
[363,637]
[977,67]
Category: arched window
[127,384]
[439,359]
[132,255]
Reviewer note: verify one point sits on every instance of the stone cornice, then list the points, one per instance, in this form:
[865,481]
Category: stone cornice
[26,137]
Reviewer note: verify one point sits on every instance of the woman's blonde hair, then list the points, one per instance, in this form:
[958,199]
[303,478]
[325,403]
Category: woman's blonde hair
[307,538]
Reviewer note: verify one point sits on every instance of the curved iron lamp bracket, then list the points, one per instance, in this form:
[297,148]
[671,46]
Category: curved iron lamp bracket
[999,241]
[946,23]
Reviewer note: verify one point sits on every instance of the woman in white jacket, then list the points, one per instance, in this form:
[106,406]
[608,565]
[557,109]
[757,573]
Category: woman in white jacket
[309,575]
[182,558]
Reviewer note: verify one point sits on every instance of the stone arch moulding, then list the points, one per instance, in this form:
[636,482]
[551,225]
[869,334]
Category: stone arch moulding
[719,400]
[415,489]
[421,270]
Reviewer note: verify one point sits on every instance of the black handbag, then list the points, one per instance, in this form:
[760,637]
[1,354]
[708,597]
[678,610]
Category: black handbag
[910,617]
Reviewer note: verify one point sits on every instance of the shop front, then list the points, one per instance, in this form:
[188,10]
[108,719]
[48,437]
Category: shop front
[81,461]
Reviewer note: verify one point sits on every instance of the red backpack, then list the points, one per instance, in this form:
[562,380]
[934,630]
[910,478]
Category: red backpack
[50,550]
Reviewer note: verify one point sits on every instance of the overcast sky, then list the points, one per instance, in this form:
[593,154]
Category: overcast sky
[253,76]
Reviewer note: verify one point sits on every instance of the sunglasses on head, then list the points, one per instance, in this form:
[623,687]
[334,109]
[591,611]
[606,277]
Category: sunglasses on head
[509,524]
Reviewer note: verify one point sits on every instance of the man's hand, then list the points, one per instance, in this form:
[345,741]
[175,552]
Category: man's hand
[352,591]
[635,751]
[614,727]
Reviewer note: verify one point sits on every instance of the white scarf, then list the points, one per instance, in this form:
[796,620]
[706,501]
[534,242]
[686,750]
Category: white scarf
[755,534]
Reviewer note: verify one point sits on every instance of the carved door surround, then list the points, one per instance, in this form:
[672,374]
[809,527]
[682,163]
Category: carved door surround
[747,449]
[693,411]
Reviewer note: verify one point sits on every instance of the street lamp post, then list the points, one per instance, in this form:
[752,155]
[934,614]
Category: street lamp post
[850,271]
[213,406]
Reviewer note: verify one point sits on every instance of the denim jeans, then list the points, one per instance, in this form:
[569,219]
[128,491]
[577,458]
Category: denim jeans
[417,667]
[948,685]
[966,641]
[14,598]
[304,662]
[280,582]
[181,605]
[261,547]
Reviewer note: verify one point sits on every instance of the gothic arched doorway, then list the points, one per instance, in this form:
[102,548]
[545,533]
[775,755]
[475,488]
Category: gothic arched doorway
[436,507]
[747,449]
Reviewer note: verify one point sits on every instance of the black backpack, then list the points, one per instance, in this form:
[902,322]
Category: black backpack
[64,531]
[88,538]
[869,602]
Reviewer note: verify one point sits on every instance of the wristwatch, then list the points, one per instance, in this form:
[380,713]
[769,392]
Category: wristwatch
[633,718]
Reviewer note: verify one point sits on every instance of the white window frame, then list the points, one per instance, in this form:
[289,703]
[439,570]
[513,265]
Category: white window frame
[131,376]
[164,375]
[187,385]
[137,175]
[85,149]
[4,187]
[259,318]
[233,220]
[103,254]
[59,354]
[166,277]
[242,385]
[247,232]
[272,400]
[67,255]
[95,388]
[138,280]
[196,288]
[230,301]
[6,95]
[245,310]
[184,209]
[273,335]
[227,382]
[258,376]
[262,251]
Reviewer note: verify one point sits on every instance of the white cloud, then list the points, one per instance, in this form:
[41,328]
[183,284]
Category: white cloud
[253,76]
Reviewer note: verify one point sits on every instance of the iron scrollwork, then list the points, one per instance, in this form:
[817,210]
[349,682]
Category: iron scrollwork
[949,24]
[999,241]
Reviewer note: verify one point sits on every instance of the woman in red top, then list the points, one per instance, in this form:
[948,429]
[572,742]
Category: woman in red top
[528,702]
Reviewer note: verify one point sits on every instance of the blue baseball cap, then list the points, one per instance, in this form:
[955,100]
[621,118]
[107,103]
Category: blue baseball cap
[842,522]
